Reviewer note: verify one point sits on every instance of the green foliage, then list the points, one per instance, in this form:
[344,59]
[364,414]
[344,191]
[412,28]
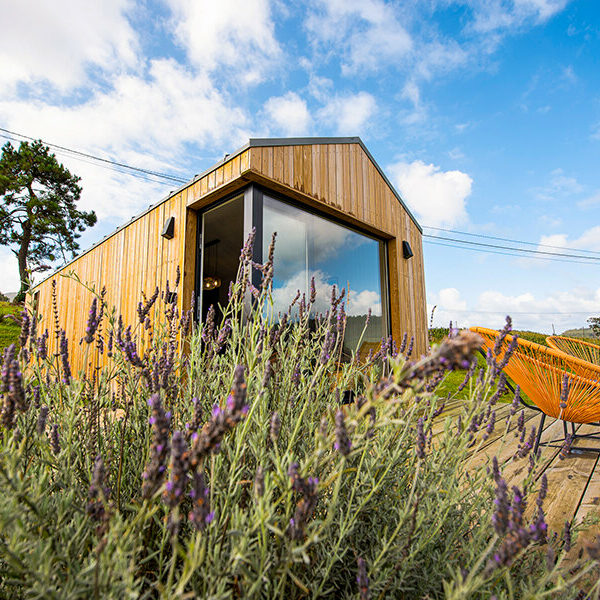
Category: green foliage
[9,328]
[297,489]
[595,325]
[38,217]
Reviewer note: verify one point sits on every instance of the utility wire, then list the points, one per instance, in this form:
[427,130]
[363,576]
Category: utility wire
[486,251]
[503,239]
[100,159]
[512,312]
[512,248]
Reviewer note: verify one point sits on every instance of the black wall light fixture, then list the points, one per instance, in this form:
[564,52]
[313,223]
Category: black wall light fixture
[406,250]
[169,228]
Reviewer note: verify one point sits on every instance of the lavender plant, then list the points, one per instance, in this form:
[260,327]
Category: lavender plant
[232,471]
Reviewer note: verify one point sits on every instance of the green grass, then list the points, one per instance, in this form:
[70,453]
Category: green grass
[453,379]
[9,330]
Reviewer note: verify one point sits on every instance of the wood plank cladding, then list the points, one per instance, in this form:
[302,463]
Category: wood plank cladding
[337,177]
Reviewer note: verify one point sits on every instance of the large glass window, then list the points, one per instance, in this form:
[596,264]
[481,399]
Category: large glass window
[309,246]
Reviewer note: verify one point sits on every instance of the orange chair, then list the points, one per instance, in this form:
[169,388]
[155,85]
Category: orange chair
[540,372]
[586,351]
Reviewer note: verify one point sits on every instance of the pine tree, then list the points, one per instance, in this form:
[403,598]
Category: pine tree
[38,216]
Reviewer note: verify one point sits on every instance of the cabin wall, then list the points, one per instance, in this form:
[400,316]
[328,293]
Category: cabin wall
[135,259]
[339,179]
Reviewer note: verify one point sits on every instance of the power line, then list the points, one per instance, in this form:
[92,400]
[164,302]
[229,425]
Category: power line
[513,312]
[486,251]
[100,159]
[512,248]
[503,239]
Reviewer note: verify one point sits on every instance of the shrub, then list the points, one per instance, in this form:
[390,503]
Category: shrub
[233,471]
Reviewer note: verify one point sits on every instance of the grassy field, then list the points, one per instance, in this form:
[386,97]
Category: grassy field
[454,378]
[9,330]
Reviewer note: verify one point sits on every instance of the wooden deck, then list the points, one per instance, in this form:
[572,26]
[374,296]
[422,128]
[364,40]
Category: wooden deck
[573,481]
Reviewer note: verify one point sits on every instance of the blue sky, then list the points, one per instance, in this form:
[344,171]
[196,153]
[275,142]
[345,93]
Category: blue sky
[485,114]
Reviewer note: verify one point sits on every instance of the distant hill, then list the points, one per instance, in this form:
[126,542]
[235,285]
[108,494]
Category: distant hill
[583,332]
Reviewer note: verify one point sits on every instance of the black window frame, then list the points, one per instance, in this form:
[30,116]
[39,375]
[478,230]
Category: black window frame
[253,195]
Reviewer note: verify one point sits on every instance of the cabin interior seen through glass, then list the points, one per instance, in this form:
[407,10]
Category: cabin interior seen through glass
[307,246]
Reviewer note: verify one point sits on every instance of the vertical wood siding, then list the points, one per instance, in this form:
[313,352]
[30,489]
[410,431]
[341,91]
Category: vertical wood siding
[340,178]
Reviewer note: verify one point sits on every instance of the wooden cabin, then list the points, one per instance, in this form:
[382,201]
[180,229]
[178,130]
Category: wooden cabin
[337,217]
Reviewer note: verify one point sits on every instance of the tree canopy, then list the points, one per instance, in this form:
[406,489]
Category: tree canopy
[594,323]
[38,216]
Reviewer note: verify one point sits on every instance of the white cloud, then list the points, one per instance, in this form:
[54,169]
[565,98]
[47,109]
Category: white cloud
[368,32]
[350,115]
[239,35]
[289,114]
[493,15]
[561,309]
[144,122]
[57,42]
[560,185]
[437,197]
[590,201]
[9,271]
[358,303]
[588,240]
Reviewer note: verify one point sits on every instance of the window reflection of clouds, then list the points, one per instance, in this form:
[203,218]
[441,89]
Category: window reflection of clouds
[310,246]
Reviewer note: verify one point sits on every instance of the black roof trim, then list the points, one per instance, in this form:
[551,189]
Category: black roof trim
[252,143]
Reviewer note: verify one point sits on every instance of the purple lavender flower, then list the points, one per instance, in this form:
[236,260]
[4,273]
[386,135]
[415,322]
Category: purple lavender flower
[567,536]
[490,426]
[98,493]
[92,322]
[25,329]
[501,514]
[403,343]
[362,580]
[175,487]
[64,356]
[259,482]
[275,427]
[194,425]
[268,374]
[154,474]
[313,291]
[516,401]
[342,441]
[200,515]
[54,439]
[42,345]
[564,393]
[306,505]
[566,447]
[222,420]
[143,309]
[500,338]
[420,445]
[41,422]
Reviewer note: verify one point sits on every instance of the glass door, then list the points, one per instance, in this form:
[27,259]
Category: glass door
[219,243]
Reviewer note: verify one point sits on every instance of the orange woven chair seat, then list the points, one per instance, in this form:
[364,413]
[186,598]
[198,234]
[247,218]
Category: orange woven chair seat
[539,371]
[580,349]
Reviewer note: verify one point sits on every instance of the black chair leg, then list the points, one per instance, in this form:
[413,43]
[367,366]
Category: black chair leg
[565,429]
[573,430]
[539,434]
